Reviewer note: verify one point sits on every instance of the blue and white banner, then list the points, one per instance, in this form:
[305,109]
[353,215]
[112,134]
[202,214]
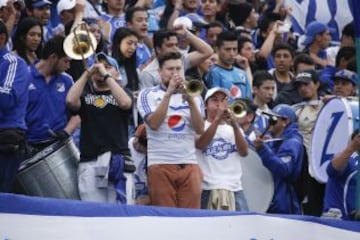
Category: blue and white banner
[335,13]
[39,218]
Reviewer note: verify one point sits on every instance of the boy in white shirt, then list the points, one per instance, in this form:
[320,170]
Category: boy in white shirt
[222,145]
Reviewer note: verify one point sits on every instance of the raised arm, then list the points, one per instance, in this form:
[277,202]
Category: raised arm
[340,161]
[202,49]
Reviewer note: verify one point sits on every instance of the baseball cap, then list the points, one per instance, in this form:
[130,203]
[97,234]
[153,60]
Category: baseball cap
[214,90]
[109,59]
[285,111]
[347,75]
[312,29]
[40,3]
[307,76]
[4,2]
[65,5]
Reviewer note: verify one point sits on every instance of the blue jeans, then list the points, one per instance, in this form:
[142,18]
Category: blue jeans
[240,200]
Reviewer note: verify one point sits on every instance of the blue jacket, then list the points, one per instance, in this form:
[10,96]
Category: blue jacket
[14,83]
[340,189]
[284,160]
[46,109]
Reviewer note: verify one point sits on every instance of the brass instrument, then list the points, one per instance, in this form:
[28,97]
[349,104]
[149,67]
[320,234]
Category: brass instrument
[238,108]
[80,44]
[193,87]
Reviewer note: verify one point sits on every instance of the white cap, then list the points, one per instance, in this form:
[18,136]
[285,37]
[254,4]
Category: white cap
[4,2]
[65,5]
[214,90]
[183,21]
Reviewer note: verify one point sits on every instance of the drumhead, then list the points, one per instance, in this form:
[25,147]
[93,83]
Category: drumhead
[258,183]
[332,130]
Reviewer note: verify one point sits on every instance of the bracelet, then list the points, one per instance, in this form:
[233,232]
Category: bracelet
[108,75]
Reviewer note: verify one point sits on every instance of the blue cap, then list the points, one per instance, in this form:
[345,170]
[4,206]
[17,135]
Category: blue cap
[286,111]
[347,75]
[109,59]
[312,29]
[41,3]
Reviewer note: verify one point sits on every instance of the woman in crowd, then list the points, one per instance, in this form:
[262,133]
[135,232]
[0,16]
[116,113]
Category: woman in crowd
[124,51]
[28,39]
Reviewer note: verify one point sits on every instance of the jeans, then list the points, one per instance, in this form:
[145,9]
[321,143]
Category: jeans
[240,200]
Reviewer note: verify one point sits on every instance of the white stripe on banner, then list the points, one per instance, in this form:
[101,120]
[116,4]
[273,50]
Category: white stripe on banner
[251,227]
[306,11]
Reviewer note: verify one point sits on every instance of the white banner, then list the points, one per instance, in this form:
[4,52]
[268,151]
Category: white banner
[251,227]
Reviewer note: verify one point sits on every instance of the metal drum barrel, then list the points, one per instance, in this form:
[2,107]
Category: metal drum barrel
[51,172]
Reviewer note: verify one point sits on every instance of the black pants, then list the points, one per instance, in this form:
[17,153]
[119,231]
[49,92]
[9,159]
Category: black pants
[315,193]
[9,165]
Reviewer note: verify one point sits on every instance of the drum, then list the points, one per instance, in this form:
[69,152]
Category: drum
[51,172]
[334,125]
[258,183]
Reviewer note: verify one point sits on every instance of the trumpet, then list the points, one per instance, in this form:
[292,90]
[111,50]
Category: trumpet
[193,87]
[238,108]
[80,44]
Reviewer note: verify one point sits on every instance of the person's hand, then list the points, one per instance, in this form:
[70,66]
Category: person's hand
[175,83]
[80,6]
[62,135]
[258,143]
[242,62]
[98,68]
[181,31]
[178,5]
[10,7]
[220,114]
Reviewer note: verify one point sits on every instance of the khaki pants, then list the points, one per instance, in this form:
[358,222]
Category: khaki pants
[175,185]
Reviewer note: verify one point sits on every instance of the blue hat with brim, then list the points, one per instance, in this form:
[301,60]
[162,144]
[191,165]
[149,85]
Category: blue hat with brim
[347,75]
[108,59]
[285,111]
[315,28]
[41,3]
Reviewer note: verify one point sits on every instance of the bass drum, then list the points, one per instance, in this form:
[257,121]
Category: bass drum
[334,125]
[52,172]
[258,183]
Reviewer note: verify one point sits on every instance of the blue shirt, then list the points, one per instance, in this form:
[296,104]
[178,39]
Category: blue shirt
[234,79]
[115,23]
[14,82]
[143,54]
[340,189]
[47,109]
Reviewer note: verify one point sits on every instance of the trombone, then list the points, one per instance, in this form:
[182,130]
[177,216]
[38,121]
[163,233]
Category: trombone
[80,44]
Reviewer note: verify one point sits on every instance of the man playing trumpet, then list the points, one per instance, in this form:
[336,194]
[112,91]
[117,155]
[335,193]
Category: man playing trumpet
[172,118]
[222,145]
[104,116]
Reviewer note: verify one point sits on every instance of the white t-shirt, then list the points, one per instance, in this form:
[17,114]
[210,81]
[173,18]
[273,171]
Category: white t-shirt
[174,141]
[220,162]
